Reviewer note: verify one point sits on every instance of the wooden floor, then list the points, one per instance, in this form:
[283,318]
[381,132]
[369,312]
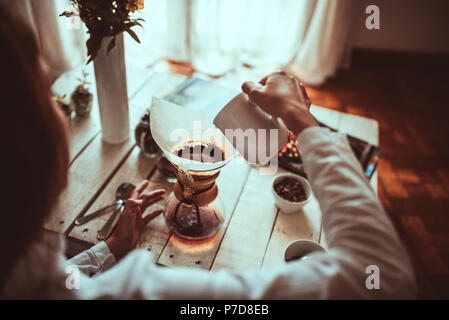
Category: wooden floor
[409,96]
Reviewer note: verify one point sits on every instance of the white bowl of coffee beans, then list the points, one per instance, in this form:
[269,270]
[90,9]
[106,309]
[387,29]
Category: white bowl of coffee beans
[291,192]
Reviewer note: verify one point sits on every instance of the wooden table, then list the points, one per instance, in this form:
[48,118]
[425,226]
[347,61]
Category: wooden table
[255,233]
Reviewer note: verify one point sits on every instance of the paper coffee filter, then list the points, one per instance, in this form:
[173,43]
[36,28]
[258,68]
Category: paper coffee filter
[171,125]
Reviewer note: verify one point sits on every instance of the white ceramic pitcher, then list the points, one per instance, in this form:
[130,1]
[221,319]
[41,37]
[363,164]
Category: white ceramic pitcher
[263,135]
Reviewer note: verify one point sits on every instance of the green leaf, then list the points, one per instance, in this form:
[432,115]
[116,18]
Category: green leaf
[135,23]
[93,45]
[67,14]
[133,34]
[111,45]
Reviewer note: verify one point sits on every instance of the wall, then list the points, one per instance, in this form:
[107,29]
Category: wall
[405,25]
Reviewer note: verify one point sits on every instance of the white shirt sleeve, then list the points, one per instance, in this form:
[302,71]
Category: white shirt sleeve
[94,260]
[358,232]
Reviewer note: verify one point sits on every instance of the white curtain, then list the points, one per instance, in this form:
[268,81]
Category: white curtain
[307,37]
[324,44]
[62,45]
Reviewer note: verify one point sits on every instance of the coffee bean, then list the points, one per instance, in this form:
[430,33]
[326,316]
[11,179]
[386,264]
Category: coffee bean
[290,189]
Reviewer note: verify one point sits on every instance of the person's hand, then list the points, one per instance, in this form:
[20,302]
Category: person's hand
[131,223]
[282,95]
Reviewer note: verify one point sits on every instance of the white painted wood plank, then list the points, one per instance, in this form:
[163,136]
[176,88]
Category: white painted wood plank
[245,241]
[85,177]
[158,85]
[304,224]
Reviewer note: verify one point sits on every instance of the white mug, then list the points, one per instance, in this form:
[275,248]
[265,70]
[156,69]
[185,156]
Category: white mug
[300,249]
[253,132]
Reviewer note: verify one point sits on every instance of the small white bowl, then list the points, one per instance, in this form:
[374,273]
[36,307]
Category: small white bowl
[300,249]
[289,206]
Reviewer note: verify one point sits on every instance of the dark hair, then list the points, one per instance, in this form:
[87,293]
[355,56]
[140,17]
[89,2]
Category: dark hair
[34,142]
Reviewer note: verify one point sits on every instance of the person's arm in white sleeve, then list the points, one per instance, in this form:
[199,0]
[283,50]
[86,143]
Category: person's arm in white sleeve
[104,254]
[358,233]
[354,221]
[94,260]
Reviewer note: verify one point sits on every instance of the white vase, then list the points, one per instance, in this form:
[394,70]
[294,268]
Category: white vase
[110,75]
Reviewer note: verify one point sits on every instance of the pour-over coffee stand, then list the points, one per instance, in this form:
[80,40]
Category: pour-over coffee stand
[197,150]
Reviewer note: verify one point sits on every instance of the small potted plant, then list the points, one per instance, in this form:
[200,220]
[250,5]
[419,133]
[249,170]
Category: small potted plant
[65,107]
[81,98]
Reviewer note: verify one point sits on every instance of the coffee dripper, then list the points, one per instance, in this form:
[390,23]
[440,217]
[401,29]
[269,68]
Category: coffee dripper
[198,151]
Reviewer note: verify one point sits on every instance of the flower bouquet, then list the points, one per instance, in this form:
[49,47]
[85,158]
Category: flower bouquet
[105,18]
